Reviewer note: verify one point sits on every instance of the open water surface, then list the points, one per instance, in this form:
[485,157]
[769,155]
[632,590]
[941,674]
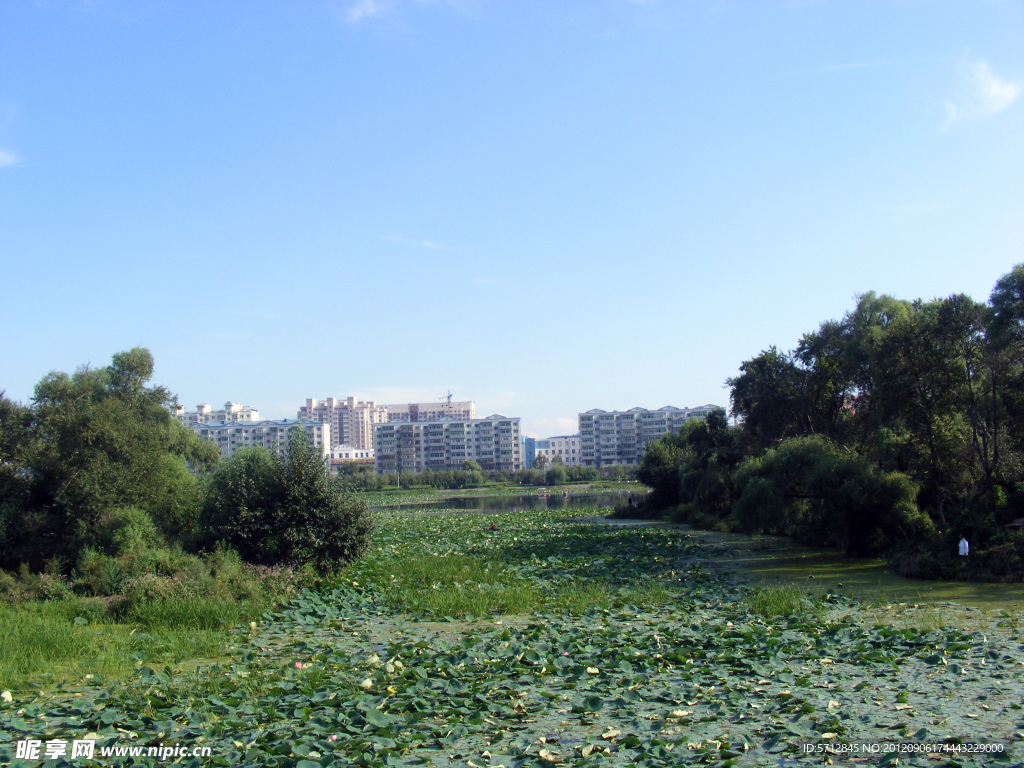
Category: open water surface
[523,503]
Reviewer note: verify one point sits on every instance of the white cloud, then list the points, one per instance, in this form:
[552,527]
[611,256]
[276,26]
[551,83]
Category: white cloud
[561,425]
[363,10]
[7,159]
[366,9]
[983,94]
[421,243]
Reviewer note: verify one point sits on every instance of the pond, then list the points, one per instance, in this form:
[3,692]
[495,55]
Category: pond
[772,560]
[764,560]
[524,502]
[777,561]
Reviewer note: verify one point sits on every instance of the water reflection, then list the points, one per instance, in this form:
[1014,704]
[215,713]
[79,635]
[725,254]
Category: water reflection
[524,502]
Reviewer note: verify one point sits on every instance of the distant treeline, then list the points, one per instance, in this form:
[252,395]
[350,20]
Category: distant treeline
[893,431]
[362,477]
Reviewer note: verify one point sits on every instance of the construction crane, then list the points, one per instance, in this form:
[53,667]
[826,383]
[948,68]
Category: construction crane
[448,406]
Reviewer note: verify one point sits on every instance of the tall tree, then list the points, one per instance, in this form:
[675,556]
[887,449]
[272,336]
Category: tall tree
[101,439]
[285,509]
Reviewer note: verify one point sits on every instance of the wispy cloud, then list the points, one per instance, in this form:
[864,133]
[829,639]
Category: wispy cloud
[7,159]
[430,245]
[848,65]
[561,425]
[982,95]
[366,9]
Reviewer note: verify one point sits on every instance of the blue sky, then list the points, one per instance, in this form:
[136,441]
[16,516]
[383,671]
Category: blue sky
[545,207]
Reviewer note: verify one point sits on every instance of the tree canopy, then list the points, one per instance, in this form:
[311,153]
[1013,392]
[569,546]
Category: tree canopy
[904,420]
[89,443]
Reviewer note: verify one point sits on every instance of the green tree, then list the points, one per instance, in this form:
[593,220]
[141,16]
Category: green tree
[275,509]
[810,489]
[919,385]
[555,474]
[100,440]
[769,398]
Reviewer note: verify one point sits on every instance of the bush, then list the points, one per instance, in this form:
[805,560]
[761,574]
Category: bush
[285,510]
[126,529]
[820,494]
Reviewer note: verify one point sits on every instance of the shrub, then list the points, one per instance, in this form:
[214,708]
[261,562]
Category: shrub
[286,510]
[126,529]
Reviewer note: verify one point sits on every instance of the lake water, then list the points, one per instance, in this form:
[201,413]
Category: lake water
[523,502]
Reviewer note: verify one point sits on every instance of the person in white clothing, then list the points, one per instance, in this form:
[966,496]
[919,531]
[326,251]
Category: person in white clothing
[964,547]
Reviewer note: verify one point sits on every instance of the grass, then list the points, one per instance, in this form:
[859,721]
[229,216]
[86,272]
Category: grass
[39,643]
[63,642]
[457,585]
[179,608]
[775,602]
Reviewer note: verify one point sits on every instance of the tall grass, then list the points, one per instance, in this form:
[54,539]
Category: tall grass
[39,643]
[169,606]
[776,602]
[455,585]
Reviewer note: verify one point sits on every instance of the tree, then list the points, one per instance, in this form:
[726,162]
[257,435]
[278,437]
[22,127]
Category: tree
[812,490]
[285,509]
[919,385]
[555,475]
[768,397]
[99,440]
[540,462]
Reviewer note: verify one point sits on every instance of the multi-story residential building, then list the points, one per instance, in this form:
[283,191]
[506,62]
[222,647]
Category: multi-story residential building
[494,443]
[351,421]
[620,437]
[347,454]
[446,409]
[529,451]
[203,414]
[568,448]
[272,435]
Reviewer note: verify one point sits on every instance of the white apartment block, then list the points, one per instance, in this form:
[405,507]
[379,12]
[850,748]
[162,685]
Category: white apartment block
[351,421]
[494,443]
[348,454]
[272,435]
[568,448]
[203,414]
[445,409]
[620,437]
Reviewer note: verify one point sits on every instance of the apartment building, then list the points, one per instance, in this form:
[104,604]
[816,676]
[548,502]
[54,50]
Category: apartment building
[568,448]
[494,443]
[529,451]
[204,414]
[347,454]
[620,437]
[351,421]
[229,436]
[445,409]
